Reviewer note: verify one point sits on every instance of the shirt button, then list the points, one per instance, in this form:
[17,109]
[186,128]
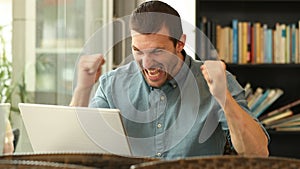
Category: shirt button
[162,98]
[158,125]
[174,86]
[158,154]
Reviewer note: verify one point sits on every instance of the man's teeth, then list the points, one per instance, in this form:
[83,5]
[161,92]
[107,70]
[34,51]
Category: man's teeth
[153,72]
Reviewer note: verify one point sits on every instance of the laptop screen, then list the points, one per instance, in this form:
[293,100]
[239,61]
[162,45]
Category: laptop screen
[54,128]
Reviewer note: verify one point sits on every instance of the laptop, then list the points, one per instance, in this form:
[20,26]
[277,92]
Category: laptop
[55,128]
[4,113]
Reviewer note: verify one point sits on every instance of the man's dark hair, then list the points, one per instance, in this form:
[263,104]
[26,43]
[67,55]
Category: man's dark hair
[151,16]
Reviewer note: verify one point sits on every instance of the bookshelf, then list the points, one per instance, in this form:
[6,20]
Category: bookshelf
[284,76]
[270,22]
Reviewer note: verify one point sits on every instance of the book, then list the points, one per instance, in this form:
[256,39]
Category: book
[257,27]
[248,90]
[273,95]
[231,45]
[287,124]
[225,44]
[244,42]
[269,51]
[249,32]
[261,98]
[298,43]
[252,40]
[262,44]
[277,40]
[219,40]
[287,45]
[235,54]
[293,45]
[240,40]
[255,97]
[265,43]
[279,110]
[290,119]
[274,45]
[297,56]
[272,119]
[292,128]
[282,53]
[202,38]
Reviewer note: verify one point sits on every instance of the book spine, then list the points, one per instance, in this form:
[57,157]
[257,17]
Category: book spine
[287,45]
[240,51]
[272,119]
[244,42]
[283,108]
[203,38]
[269,58]
[277,40]
[225,44]
[230,45]
[267,102]
[252,45]
[249,42]
[282,44]
[262,44]
[297,57]
[260,100]
[298,46]
[235,57]
[293,45]
[257,42]
[257,94]
[219,41]
[266,42]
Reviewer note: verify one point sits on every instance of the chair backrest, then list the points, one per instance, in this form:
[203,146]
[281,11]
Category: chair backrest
[109,161]
[223,162]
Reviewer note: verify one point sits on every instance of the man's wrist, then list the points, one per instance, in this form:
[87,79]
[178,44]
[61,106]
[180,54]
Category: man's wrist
[81,96]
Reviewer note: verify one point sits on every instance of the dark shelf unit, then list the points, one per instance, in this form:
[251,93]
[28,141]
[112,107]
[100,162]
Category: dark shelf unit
[284,76]
[264,11]
[284,144]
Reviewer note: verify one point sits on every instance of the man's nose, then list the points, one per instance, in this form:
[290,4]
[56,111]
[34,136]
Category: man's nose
[147,61]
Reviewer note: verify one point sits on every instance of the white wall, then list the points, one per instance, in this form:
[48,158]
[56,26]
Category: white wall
[6,12]
[6,20]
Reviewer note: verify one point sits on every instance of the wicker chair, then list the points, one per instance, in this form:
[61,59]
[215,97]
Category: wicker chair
[23,164]
[104,161]
[223,162]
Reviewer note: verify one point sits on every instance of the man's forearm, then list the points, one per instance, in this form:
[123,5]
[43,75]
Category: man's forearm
[248,138]
[81,97]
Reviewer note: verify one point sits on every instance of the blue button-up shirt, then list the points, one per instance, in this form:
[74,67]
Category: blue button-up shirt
[179,119]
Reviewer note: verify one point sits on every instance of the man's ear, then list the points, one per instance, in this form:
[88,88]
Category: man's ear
[181,43]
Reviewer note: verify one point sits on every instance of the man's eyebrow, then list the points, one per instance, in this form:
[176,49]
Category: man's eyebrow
[135,48]
[150,50]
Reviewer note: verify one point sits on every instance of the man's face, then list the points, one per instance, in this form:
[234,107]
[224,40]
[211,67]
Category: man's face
[157,56]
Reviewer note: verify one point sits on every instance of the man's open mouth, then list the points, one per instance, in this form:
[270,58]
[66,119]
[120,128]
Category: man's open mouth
[154,73]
